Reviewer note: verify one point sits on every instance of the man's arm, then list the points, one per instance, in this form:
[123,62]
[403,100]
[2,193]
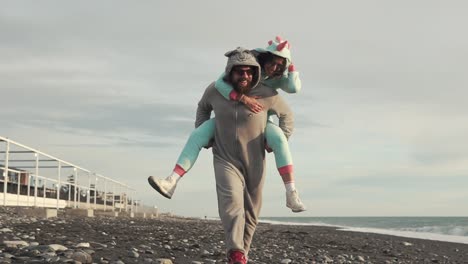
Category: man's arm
[204,108]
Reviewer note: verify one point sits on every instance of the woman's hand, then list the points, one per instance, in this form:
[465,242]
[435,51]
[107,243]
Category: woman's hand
[252,103]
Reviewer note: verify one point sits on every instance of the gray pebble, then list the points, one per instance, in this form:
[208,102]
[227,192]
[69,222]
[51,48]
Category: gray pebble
[133,254]
[57,247]
[82,257]
[163,261]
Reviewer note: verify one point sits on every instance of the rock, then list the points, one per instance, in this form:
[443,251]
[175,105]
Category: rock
[117,262]
[57,247]
[97,245]
[82,257]
[5,230]
[325,259]
[133,254]
[286,261]
[83,245]
[360,258]
[15,243]
[163,261]
[407,244]
[89,251]
[22,258]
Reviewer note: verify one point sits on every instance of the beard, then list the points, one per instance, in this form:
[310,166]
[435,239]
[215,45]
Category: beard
[242,87]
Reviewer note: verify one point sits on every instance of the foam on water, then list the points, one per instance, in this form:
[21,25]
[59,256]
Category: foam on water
[411,234]
[273,222]
[445,232]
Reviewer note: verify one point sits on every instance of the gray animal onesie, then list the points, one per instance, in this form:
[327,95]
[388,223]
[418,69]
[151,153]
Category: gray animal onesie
[239,151]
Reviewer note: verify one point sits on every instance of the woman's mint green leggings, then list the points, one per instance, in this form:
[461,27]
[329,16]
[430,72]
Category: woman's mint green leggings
[202,136]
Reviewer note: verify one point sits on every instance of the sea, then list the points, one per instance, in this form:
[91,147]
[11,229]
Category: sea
[451,229]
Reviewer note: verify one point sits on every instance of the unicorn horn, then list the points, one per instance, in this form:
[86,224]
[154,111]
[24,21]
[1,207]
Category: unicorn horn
[281,46]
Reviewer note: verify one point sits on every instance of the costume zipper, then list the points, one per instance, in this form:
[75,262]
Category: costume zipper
[237,135]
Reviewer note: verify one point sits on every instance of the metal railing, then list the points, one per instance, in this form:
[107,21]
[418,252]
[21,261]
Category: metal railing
[77,191]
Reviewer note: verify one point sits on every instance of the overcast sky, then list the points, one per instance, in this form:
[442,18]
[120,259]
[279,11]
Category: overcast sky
[381,121]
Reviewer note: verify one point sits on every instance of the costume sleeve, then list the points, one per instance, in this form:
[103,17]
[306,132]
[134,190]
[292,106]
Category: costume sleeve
[225,89]
[285,115]
[290,83]
[204,109]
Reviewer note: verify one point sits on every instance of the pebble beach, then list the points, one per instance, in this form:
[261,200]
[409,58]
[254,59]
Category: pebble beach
[169,239]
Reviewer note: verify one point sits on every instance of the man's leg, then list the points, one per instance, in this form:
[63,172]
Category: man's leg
[252,204]
[230,191]
[199,138]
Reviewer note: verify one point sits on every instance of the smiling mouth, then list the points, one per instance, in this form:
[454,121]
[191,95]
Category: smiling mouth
[243,82]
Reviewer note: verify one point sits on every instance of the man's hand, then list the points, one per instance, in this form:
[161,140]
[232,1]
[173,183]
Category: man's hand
[268,148]
[252,103]
[210,144]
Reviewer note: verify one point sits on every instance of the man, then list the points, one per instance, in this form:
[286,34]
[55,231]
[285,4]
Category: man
[239,148]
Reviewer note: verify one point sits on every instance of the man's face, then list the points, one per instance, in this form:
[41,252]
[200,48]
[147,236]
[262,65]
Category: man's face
[241,77]
[275,67]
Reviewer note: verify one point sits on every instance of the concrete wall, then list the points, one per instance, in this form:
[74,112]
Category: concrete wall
[22,200]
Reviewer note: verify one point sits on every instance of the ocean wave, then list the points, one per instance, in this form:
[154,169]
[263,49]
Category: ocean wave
[274,222]
[411,234]
[445,230]
[449,233]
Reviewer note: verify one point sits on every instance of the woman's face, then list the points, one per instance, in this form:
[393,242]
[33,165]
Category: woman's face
[275,67]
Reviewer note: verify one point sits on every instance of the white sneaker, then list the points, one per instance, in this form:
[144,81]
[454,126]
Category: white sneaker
[294,202]
[165,187]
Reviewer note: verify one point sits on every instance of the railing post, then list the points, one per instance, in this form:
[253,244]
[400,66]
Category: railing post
[95,191]
[36,182]
[44,192]
[29,189]
[133,206]
[75,179]
[88,192]
[59,183]
[5,172]
[105,194]
[19,188]
[113,196]
[69,194]
[120,197]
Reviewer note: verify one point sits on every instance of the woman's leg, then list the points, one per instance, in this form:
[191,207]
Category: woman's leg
[198,139]
[278,142]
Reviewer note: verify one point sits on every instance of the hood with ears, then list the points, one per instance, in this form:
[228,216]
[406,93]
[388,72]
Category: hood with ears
[278,47]
[242,57]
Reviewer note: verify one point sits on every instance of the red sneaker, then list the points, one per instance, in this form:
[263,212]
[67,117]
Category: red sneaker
[237,257]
